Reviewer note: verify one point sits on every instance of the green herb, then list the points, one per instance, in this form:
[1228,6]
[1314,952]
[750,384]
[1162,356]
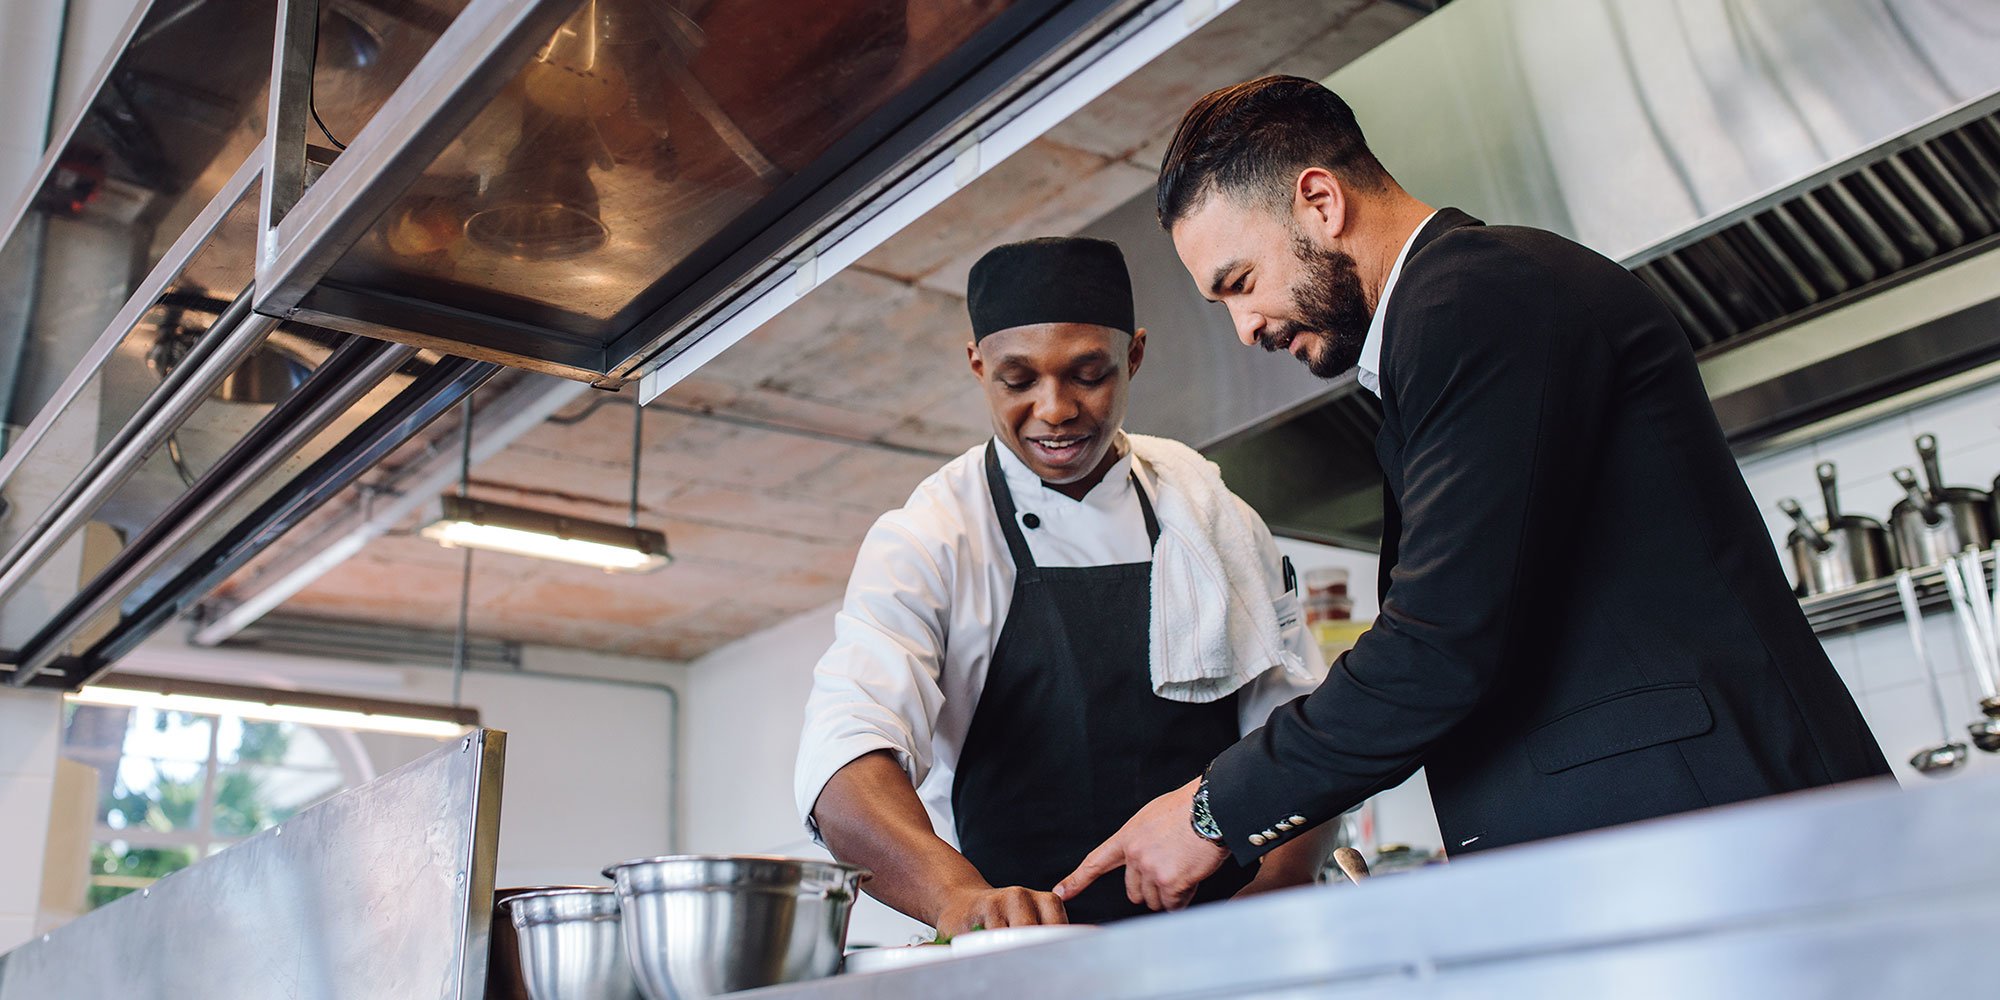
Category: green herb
[943,938]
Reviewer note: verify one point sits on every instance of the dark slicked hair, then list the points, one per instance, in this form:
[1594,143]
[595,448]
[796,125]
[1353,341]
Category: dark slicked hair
[1253,139]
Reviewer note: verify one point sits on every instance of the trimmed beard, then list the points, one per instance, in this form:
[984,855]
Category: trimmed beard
[1329,302]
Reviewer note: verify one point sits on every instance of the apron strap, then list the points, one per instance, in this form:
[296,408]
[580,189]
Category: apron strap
[1146,508]
[1003,505]
[1010,525]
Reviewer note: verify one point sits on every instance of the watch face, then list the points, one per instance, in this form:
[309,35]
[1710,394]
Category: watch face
[1203,821]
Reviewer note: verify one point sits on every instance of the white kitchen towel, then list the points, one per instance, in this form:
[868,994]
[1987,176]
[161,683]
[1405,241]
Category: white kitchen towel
[1217,599]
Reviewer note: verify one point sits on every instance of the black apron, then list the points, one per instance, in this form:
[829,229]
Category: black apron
[1069,739]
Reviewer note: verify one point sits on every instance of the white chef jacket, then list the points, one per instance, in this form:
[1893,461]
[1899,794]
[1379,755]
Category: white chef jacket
[925,606]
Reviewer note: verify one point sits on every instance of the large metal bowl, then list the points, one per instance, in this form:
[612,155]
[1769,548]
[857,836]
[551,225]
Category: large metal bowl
[701,926]
[570,945]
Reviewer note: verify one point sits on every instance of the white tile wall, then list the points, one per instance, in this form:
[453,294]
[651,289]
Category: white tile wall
[1879,664]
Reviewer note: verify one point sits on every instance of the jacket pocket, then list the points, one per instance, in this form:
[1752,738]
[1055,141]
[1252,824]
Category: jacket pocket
[1630,720]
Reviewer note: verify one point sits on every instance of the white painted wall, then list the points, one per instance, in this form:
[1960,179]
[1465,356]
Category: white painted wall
[1879,664]
[590,742]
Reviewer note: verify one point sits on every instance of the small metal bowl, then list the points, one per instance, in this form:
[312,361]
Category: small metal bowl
[701,926]
[572,947]
[1941,759]
[503,962]
[1985,734]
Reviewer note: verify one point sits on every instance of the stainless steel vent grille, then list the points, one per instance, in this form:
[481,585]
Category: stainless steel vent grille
[1884,217]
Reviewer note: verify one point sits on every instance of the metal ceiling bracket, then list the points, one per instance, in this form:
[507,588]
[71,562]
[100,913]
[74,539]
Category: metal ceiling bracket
[286,115]
[485,45]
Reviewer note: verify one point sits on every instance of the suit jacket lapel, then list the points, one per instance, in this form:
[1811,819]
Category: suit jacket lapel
[1387,448]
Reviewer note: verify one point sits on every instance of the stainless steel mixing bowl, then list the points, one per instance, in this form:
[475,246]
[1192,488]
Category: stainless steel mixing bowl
[571,948]
[701,926]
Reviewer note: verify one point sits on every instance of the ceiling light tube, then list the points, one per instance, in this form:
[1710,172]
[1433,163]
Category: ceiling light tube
[462,522]
[168,694]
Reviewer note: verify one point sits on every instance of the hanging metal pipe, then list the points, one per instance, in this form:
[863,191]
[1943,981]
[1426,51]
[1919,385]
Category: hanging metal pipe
[233,336]
[465,563]
[638,427]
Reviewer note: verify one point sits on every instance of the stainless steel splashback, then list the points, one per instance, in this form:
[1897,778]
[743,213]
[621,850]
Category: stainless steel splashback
[383,891]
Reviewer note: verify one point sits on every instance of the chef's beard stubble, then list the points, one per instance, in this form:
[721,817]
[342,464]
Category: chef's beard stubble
[1328,300]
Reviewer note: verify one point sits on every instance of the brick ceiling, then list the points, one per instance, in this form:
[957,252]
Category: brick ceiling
[766,468]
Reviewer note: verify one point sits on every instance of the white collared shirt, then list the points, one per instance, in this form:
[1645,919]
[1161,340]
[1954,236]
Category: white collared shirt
[924,608]
[1368,370]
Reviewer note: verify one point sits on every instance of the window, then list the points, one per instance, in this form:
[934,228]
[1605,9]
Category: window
[177,786]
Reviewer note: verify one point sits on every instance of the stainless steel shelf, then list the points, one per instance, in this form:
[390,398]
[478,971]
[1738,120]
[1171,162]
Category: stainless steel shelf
[1876,603]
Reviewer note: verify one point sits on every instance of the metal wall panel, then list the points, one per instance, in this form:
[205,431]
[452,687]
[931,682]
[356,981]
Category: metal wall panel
[381,892]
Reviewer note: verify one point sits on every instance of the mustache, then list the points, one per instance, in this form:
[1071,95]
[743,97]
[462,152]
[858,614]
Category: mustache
[1279,338]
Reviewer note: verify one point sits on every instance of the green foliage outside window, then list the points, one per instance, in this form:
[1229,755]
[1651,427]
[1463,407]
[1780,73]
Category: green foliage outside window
[258,783]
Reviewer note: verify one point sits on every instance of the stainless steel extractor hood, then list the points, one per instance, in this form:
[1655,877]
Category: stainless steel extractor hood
[1760,163]
[576,187]
[244,278]
[159,428]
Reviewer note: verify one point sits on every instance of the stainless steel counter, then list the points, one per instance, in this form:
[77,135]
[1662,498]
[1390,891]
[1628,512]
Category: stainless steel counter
[1861,892]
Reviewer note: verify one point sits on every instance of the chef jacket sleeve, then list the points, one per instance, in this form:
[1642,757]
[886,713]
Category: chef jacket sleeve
[1274,687]
[877,687]
[1492,442]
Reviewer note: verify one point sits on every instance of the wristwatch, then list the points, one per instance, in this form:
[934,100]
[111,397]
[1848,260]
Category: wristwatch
[1202,819]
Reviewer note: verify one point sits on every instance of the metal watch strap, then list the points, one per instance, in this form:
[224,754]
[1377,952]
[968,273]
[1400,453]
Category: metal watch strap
[1201,818]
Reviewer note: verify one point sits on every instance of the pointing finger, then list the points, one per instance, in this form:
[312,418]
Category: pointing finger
[1108,855]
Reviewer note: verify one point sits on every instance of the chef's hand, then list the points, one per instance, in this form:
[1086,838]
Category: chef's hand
[987,908]
[1164,859]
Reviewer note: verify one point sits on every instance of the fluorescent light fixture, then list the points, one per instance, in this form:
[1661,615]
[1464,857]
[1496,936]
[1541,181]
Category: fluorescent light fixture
[167,694]
[462,522]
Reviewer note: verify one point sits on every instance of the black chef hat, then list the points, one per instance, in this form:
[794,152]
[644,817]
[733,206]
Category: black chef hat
[1054,279]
